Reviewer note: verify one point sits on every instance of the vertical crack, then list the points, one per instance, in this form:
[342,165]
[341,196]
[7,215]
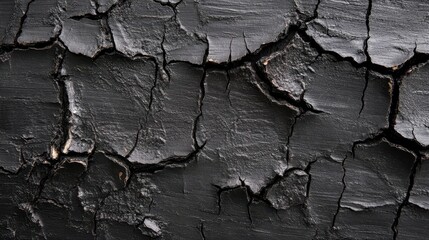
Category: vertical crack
[200,105]
[342,191]
[201,228]
[368,57]
[407,197]
[21,23]
[362,99]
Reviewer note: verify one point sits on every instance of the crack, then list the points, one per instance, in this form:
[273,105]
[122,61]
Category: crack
[289,137]
[136,141]
[201,228]
[407,196]
[301,105]
[362,99]
[200,106]
[54,202]
[368,29]
[152,168]
[307,170]
[249,202]
[221,190]
[245,44]
[228,88]
[149,207]
[249,213]
[164,55]
[21,23]
[368,57]
[149,109]
[62,135]
[315,12]
[230,51]
[264,190]
[316,9]
[342,192]
[42,183]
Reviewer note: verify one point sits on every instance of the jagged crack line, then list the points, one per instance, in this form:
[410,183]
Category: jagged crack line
[21,23]
[407,197]
[342,193]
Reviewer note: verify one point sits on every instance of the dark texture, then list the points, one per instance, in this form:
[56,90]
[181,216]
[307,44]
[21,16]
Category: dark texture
[186,119]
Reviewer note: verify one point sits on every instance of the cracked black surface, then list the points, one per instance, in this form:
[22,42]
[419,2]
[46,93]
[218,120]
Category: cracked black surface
[183,119]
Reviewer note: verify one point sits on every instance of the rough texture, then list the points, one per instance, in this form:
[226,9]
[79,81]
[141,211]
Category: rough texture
[412,121]
[183,119]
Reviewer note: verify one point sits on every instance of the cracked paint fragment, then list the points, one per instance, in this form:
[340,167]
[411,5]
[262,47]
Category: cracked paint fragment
[341,27]
[85,37]
[290,191]
[29,106]
[225,24]
[179,45]
[168,129]
[376,181]
[344,109]
[108,98]
[398,30]
[138,27]
[240,130]
[173,2]
[11,13]
[42,24]
[412,119]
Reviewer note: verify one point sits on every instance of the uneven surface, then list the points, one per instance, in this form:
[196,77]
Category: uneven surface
[183,119]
